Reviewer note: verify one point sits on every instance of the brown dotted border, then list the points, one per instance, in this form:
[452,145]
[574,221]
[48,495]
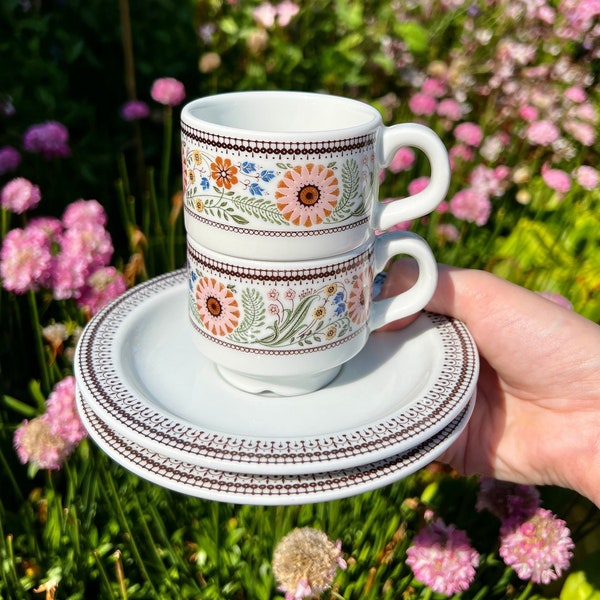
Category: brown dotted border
[281,150]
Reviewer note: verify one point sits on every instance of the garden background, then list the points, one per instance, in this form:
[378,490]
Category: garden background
[512,88]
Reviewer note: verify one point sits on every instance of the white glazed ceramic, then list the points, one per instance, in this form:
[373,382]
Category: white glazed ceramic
[176,474]
[138,369]
[293,175]
[287,327]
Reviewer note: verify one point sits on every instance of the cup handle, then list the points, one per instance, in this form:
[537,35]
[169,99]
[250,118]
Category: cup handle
[417,205]
[413,300]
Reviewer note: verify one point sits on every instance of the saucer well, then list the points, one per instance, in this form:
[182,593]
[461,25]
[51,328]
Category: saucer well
[137,368]
[265,489]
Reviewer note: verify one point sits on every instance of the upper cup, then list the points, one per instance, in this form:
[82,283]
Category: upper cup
[278,175]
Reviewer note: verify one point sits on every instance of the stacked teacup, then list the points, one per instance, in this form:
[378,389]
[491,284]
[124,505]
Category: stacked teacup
[281,214]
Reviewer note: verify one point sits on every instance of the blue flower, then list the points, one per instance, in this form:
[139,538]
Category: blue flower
[204,183]
[340,309]
[266,176]
[255,189]
[248,167]
[339,297]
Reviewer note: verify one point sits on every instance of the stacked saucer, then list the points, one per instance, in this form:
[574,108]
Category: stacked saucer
[160,409]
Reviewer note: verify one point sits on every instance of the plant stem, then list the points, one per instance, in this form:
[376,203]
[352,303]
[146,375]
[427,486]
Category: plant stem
[39,343]
[166,157]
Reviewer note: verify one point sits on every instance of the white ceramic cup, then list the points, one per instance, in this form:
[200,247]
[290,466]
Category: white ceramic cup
[293,175]
[287,327]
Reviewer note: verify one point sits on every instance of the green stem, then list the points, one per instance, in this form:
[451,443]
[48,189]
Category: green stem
[39,343]
[525,593]
[166,157]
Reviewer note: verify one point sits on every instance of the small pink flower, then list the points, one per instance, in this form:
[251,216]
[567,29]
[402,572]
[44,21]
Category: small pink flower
[403,160]
[448,232]
[469,133]
[418,185]
[460,152]
[62,414]
[433,86]
[10,159]
[84,212]
[576,94]
[556,179]
[20,195]
[471,206]
[542,133]
[264,14]
[450,109]
[538,548]
[528,113]
[286,11]
[134,110]
[587,177]
[50,139]
[422,104]
[168,91]
[25,260]
[442,558]
[35,443]
[582,132]
[101,287]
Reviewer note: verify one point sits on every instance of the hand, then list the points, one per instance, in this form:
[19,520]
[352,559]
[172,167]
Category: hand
[537,415]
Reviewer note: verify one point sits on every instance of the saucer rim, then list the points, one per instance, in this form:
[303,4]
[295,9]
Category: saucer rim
[266,489]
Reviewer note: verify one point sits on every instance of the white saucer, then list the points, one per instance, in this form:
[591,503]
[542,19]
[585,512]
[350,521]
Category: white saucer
[138,369]
[242,488]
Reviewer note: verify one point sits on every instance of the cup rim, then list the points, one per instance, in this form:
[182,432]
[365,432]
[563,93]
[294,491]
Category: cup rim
[371,118]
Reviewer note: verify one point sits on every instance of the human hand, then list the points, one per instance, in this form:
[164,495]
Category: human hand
[537,415]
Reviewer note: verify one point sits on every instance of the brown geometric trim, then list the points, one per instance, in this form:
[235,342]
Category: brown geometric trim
[274,233]
[280,150]
[207,482]
[280,275]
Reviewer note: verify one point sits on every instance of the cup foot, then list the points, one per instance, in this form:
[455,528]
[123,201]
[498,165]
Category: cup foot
[288,385]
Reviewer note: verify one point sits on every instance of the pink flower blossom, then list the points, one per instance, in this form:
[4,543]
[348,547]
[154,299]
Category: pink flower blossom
[264,14]
[542,133]
[575,94]
[50,139]
[84,212]
[538,548]
[134,110]
[442,558]
[25,260]
[62,414]
[586,112]
[582,132]
[587,177]
[418,185]
[10,159]
[556,179]
[20,195]
[472,206]
[286,11]
[403,160]
[168,91]
[528,113]
[448,232]
[460,152]
[488,181]
[433,86]
[35,443]
[102,286]
[450,109]
[469,133]
[422,104]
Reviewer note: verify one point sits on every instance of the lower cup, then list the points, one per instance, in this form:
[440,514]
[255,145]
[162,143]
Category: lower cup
[288,327]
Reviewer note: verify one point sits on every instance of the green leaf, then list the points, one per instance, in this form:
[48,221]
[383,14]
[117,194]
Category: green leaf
[414,35]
